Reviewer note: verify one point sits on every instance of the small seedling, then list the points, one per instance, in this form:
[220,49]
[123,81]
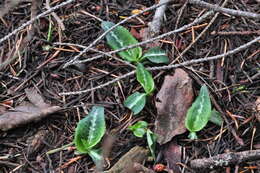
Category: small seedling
[140,129]
[199,113]
[89,133]
[119,38]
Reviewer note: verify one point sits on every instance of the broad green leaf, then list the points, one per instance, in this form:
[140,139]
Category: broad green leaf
[216,118]
[90,130]
[156,55]
[135,102]
[151,141]
[145,78]
[139,128]
[120,37]
[199,113]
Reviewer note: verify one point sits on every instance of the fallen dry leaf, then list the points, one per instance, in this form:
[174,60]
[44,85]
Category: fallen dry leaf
[140,168]
[172,103]
[172,155]
[126,163]
[27,112]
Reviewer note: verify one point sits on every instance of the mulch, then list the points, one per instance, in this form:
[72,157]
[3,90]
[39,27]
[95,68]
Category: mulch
[234,83]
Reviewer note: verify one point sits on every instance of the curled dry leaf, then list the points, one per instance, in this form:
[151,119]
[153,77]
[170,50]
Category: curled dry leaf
[27,112]
[172,103]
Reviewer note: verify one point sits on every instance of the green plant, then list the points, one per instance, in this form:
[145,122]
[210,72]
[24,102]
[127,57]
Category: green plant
[89,133]
[119,38]
[199,113]
[140,129]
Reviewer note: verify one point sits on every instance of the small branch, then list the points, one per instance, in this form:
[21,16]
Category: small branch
[105,33]
[225,159]
[155,25]
[34,19]
[95,50]
[224,10]
[200,35]
[167,67]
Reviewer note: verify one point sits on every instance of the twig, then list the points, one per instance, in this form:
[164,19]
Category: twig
[225,159]
[34,19]
[155,25]
[95,50]
[200,35]
[198,20]
[105,33]
[231,33]
[55,16]
[169,67]
[224,10]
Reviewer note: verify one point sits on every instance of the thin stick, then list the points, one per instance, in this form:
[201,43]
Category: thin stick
[156,23]
[200,35]
[34,19]
[105,33]
[55,16]
[95,50]
[225,10]
[244,46]
[198,20]
[226,159]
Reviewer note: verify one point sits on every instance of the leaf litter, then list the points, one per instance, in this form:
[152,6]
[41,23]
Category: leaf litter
[32,111]
[172,103]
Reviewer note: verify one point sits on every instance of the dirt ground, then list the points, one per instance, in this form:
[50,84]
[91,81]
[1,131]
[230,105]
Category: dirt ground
[36,62]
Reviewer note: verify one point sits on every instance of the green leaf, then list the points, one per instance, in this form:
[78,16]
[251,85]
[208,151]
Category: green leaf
[139,128]
[199,113]
[136,102]
[120,37]
[145,78]
[216,118]
[156,55]
[151,141]
[90,130]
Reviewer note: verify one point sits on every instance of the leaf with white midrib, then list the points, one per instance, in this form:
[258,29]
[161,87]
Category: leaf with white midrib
[156,55]
[119,38]
[145,78]
[135,102]
[199,113]
[90,130]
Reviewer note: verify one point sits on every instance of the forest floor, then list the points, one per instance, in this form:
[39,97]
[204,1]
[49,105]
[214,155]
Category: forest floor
[33,81]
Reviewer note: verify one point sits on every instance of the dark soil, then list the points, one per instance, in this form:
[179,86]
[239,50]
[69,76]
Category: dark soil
[234,83]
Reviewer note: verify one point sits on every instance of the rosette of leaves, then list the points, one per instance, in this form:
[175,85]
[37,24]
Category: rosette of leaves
[199,113]
[139,129]
[119,38]
[89,133]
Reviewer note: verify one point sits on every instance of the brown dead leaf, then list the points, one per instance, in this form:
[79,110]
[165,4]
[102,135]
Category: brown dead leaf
[172,103]
[126,163]
[135,34]
[140,168]
[27,112]
[172,155]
